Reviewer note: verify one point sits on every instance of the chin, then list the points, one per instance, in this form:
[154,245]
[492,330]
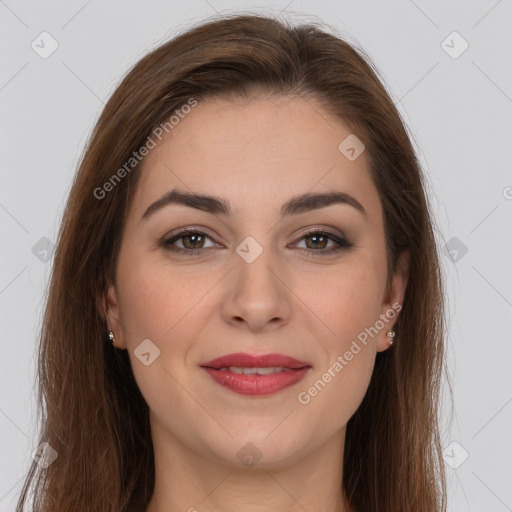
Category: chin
[259,451]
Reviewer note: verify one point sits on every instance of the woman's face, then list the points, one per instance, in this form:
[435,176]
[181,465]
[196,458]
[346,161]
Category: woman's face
[254,276]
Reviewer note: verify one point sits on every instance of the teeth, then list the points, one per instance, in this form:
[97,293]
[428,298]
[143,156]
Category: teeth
[259,371]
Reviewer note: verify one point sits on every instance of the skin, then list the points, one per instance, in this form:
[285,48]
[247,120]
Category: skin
[257,155]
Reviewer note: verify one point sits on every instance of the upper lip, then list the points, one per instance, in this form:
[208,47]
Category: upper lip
[244,360]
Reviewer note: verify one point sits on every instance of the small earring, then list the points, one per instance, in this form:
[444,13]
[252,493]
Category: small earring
[390,334]
[112,339]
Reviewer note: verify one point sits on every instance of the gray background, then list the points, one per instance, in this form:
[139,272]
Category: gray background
[458,111]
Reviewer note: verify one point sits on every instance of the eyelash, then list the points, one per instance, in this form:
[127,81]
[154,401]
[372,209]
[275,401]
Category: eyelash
[342,244]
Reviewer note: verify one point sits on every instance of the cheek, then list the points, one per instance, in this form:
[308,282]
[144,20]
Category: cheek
[156,297]
[348,301]
[349,306]
[161,304]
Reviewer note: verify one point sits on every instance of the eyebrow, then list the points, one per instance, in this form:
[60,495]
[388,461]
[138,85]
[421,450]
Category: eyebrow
[218,206]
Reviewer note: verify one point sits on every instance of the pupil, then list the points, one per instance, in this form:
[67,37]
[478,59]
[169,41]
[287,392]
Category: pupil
[316,238]
[192,237]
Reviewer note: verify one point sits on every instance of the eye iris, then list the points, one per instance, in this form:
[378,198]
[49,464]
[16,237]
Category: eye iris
[193,236]
[316,237]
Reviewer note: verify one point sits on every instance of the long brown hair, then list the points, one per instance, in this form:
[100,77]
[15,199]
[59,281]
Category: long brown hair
[91,410]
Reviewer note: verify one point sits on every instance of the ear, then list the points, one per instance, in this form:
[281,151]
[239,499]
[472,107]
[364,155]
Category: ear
[109,310]
[393,299]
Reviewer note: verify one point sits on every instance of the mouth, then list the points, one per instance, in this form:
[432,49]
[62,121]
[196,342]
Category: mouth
[266,370]
[246,374]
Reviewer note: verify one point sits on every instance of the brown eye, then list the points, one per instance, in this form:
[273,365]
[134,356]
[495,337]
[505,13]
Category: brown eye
[194,239]
[192,242]
[317,243]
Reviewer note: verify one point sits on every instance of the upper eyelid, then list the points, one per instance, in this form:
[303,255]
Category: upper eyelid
[206,231]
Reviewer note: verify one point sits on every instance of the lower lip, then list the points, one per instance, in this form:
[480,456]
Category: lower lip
[257,385]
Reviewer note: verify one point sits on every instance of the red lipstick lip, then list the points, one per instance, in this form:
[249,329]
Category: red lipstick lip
[257,385]
[241,359]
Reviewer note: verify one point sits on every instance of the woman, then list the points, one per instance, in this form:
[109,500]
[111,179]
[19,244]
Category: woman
[249,230]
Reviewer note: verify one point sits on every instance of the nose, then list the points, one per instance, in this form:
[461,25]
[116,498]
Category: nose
[257,296]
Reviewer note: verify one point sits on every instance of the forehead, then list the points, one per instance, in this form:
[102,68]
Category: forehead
[255,153]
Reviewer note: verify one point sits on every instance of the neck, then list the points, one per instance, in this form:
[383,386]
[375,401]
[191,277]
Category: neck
[187,480]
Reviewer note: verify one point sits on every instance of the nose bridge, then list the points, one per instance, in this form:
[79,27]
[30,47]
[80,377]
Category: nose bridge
[253,263]
[257,294]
